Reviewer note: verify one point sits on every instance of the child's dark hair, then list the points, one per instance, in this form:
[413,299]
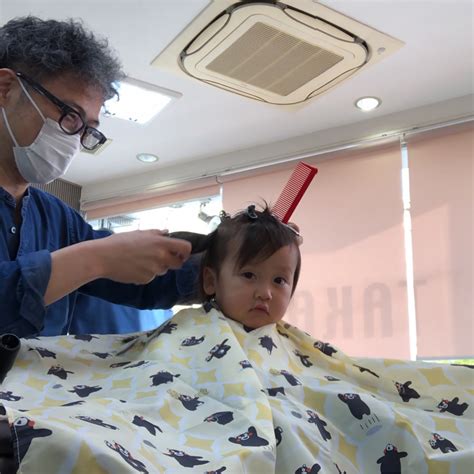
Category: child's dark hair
[257,234]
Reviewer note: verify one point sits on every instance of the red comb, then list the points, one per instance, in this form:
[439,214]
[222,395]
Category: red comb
[293,191]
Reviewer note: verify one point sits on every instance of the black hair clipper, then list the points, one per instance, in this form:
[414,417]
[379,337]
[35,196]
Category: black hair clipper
[199,242]
[9,348]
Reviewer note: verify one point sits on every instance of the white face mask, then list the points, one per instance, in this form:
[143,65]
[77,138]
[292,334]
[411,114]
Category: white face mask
[50,155]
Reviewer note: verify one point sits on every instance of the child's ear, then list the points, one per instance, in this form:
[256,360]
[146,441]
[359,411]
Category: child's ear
[209,281]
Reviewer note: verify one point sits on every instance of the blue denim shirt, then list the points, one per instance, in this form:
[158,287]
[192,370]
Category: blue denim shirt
[109,318]
[25,268]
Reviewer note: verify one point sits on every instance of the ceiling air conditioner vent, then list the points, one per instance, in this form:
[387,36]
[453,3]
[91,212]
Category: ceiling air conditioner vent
[280,53]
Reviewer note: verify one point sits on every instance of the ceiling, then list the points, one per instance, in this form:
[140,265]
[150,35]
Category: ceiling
[208,128]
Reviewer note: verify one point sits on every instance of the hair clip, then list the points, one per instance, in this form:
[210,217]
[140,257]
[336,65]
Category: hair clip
[251,212]
[223,215]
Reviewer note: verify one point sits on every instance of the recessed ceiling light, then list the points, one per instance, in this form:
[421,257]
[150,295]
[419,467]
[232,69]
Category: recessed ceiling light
[366,104]
[138,101]
[147,158]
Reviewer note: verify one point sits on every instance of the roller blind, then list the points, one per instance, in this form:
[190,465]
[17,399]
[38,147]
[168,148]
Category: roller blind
[441,181]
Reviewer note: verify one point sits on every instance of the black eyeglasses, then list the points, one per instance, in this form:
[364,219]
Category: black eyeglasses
[70,121]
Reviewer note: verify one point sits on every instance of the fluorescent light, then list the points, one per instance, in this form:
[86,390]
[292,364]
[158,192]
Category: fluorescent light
[367,104]
[138,101]
[147,158]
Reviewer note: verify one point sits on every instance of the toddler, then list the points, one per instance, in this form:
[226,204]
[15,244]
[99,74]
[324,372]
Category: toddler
[250,267]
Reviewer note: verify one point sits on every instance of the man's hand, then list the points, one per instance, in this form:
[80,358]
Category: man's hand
[138,256]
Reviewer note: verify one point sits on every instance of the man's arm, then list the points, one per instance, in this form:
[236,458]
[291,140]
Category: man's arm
[37,279]
[132,257]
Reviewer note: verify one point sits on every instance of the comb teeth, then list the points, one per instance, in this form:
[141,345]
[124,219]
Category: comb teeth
[293,191]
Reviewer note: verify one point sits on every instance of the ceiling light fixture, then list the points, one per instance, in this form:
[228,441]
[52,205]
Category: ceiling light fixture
[147,158]
[138,101]
[366,104]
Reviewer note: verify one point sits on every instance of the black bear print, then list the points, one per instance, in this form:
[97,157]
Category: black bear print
[192,341]
[102,355]
[85,337]
[304,469]
[59,371]
[390,461]
[165,328]
[148,425]
[274,391]
[184,459]
[162,377]
[452,406]
[267,343]
[9,396]
[249,438]
[70,404]
[219,471]
[247,328]
[221,417]
[278,434]
[126,339]
[365,369]
[325,348]
[116,365]
[304,359]
[137,364]
[96,421]
[438,442]
[357,406]
[168,328]
[405,391]
[25,433]
[218,351]
[331,378]
[43,352]
[85,390]
[468,366]
[245,364]
[190,403]
[127,457]
[339,470]
[314,418]
[284,334]
[290,378]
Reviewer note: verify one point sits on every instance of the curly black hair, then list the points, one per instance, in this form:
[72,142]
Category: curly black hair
[45,48]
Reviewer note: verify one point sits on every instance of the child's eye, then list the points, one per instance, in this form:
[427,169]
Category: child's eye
[280,281]
[248,275]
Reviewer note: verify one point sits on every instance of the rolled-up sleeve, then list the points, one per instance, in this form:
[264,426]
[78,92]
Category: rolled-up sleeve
[23,285]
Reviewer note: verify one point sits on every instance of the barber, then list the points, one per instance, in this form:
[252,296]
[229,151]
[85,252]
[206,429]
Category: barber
[54,79]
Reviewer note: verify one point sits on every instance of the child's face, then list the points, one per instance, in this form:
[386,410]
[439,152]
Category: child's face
[258,293]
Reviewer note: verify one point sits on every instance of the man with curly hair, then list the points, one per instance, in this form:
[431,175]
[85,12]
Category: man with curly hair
[54,79]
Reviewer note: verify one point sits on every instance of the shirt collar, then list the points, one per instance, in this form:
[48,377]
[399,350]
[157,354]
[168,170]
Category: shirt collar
[10,200]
